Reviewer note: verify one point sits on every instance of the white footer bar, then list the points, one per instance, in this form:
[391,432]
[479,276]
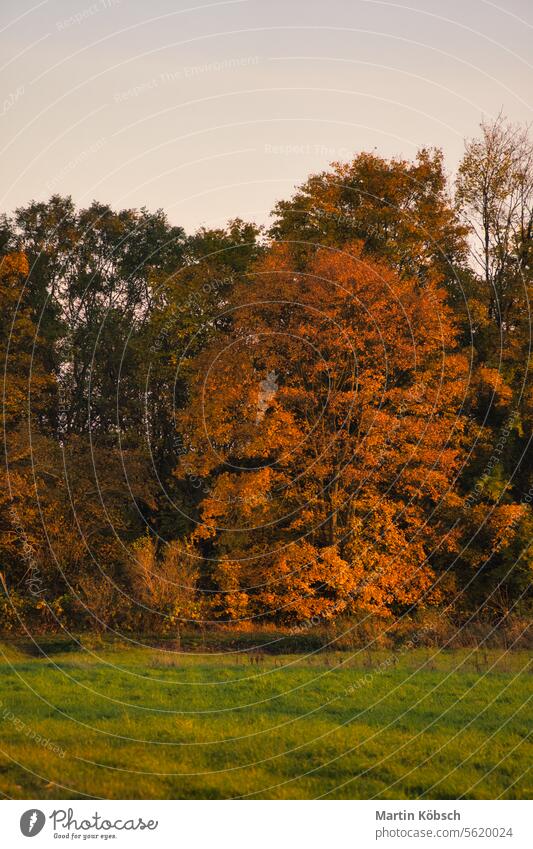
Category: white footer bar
[267,824]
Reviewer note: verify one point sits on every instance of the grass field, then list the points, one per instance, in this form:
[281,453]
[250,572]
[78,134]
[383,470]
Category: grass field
[126,722]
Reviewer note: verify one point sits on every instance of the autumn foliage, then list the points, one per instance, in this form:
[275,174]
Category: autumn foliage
[329,419]
[318,503]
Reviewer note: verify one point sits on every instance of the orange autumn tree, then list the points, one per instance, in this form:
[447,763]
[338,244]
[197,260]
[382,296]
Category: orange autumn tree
[323,427]
[25,384]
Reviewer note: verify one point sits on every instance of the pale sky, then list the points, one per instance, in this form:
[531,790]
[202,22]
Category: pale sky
[216,109]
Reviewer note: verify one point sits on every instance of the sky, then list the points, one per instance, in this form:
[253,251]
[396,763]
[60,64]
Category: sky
[212,110]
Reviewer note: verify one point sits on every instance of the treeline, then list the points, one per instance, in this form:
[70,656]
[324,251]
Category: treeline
[330,418]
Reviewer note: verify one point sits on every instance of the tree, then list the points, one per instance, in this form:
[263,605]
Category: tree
[187,310]
[24,376]
[400,211]
[89,283]
[25,385]
[323,427]
[495,195]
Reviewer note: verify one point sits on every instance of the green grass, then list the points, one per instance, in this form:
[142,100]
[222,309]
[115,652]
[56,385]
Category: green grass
[148,723]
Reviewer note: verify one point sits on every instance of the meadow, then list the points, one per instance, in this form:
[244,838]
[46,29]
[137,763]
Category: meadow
[116,720]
